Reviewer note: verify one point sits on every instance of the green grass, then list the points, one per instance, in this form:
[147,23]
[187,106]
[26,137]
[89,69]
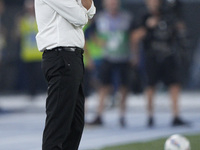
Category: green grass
[155,144]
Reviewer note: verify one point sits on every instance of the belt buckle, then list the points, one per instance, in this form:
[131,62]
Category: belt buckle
[59,49]
[72,49]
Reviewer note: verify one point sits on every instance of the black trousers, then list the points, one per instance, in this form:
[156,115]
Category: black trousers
[63,71]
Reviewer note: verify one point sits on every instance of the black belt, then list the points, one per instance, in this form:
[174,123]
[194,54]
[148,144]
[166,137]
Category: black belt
[69,49]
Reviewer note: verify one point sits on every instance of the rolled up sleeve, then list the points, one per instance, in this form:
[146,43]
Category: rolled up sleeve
[91,12]
[70,10]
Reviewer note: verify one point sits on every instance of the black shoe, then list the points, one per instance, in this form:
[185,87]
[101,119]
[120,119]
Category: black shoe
[96,121]
[150,122]
[179,122]
[122,122]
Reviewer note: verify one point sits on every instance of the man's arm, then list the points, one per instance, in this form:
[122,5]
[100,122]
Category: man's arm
[89,6]
[136,36]
[86,3]
[70,10]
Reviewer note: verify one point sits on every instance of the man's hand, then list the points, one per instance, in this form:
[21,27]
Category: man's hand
[86,3]
[152,22]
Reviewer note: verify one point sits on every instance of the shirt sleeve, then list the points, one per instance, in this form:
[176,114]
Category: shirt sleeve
[70,10]
[90,12]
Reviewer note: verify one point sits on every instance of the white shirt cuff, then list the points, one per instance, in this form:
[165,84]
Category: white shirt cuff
[91,11]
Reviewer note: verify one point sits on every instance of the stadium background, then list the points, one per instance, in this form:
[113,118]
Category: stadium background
[10,77]
[22,123]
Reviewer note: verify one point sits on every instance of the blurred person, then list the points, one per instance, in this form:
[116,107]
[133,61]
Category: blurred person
[92,61]
[30,72]
[61,39]
[2,43]
[112,26]
[159,31]
[2,30]
[93,58]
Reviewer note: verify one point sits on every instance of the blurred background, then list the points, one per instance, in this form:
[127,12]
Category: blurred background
[13,76]
[23,88]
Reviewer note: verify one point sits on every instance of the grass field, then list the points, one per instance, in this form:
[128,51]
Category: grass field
[155,144]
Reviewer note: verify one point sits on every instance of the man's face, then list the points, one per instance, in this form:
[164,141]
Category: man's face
[153,5]
[111,6]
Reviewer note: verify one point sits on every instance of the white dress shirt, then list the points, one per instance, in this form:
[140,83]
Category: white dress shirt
[60,23]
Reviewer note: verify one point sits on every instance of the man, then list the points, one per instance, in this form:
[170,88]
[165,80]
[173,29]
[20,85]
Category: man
[2,47]
[92,58]
[61,40]
[2,30]
[159,31]
[112,27]
[2,35]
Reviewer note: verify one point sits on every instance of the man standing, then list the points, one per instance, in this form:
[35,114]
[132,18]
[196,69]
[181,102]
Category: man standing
[61,40]
[112,26]
[160,32]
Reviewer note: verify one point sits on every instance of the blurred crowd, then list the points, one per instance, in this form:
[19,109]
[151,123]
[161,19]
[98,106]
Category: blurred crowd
[19,56]
[130,47]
